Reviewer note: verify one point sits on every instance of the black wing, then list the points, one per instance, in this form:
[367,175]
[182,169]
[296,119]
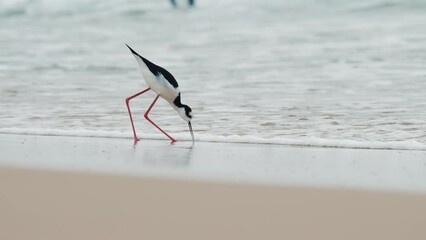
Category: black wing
[157,70]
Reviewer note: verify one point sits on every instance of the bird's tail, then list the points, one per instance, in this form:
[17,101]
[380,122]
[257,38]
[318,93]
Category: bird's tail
[133,51]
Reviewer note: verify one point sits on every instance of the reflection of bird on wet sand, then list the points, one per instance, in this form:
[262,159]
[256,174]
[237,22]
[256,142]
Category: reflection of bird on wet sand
[164,156]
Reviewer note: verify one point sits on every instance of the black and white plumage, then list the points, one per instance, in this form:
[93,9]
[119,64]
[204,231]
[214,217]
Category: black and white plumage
[165,85]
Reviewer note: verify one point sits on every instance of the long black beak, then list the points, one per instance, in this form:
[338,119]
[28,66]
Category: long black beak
[192,133]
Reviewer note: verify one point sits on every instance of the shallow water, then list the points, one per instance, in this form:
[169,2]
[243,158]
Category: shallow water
[312,72]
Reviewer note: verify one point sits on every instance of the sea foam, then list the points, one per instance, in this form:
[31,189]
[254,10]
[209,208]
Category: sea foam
[308,142]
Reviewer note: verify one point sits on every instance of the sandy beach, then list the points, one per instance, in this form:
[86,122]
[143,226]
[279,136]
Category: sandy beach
[100,188]
[58,205]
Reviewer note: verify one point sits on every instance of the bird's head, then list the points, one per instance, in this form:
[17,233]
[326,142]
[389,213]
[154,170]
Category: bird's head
[185,112]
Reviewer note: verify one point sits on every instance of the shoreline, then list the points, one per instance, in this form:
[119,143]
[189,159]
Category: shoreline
[376,170]
[408,145]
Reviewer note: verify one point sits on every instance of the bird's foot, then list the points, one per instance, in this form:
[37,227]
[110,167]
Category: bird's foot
[136,141]
[172,141]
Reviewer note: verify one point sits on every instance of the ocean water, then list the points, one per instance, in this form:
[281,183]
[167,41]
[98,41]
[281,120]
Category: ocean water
[322,73]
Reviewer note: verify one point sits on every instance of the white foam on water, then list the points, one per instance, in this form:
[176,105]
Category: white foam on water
[309,142]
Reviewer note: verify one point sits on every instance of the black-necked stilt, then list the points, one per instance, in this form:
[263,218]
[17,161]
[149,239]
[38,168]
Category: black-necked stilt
[163,84]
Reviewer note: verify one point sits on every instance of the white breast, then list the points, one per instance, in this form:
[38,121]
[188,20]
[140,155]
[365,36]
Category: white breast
[158,84]
[161,86]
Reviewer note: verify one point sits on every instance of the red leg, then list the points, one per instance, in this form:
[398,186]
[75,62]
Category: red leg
[155,125]
[130,113]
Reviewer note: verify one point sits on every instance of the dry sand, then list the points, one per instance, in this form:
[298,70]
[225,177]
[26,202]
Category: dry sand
[40,204]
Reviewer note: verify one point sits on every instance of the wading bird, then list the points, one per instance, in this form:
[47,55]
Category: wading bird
[163,84]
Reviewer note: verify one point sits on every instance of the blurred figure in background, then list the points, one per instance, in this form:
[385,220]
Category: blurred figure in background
[190,2]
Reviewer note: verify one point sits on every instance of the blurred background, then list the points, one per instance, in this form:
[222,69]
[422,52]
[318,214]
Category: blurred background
[324,72]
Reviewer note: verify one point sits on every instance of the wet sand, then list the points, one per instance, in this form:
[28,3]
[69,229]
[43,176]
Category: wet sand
[384,170]
[41,204]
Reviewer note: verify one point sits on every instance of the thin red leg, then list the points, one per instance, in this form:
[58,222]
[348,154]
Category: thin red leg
[130,113]
[155,125]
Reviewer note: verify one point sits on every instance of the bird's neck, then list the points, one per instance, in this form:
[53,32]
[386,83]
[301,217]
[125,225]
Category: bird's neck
[177,103]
